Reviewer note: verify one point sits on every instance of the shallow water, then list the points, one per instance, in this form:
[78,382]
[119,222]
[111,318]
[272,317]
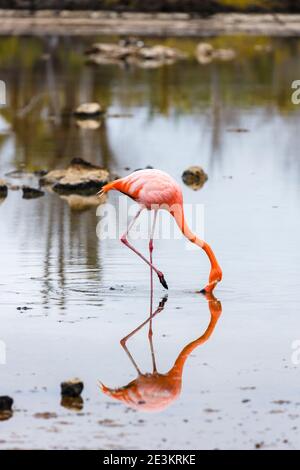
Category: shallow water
[82,294]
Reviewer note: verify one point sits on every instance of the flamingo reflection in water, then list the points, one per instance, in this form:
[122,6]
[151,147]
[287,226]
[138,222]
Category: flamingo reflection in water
[155,391]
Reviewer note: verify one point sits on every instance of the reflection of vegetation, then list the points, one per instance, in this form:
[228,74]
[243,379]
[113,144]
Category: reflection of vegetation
[47,78]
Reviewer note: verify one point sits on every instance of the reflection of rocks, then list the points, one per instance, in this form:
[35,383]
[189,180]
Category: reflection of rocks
[206,53]
[3,189]
[71,388]
[135,53]
[31,193]
[111,51]
[6,404]
[90,124]
[88,110]
[263,48]
[160,53]
[72,403]
[80,203]
[194,177]
[80,177]
[225,54]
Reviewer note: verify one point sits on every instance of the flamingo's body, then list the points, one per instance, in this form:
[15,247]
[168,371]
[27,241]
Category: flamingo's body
[153,190]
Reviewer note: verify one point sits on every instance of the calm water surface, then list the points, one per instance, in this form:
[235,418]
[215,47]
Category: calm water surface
[240,386]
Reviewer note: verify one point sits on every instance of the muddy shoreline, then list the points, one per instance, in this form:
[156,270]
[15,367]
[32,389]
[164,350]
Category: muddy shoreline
[25,22]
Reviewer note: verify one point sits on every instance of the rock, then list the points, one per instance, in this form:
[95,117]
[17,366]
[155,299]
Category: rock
[80,177]
[195,177]
[71,388]
[206,53]
[133,51]
[88,109]
[3,189]
[31,193]
[6,403]
[72,403]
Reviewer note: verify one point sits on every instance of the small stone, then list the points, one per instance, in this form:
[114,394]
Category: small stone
[3,189]
[204,53]
[195,177]
[71,388]
[259,445]
[6,403]
[31,193]
[88,109]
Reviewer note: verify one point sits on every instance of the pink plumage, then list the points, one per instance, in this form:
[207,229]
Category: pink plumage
[153,190]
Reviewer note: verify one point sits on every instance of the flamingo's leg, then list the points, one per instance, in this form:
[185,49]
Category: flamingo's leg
[150,333]
[133,332]
[126,242]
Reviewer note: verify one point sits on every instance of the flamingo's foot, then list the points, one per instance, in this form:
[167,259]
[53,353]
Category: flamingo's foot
[162,280]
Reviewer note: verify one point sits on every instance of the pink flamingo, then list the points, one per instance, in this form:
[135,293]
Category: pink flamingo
[154,190]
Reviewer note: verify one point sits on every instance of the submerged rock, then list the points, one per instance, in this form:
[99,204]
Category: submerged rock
[71,388]
[88,110]
[3,189]
[80,177]
[31,193]
[194,177]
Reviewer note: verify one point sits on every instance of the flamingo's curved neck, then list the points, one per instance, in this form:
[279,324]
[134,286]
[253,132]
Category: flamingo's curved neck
[177,369]
[178,214]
